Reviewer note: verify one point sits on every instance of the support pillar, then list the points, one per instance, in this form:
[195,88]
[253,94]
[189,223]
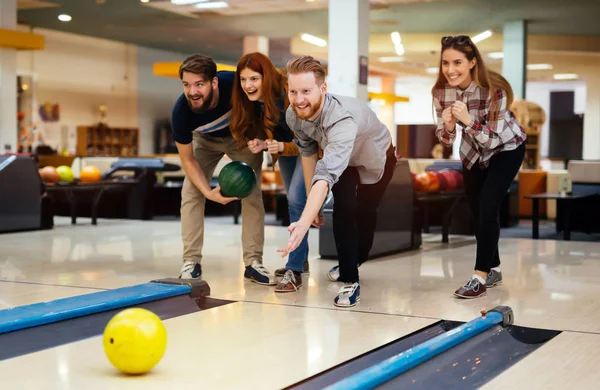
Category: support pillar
[514,65]
[591,120]
[256,44]
[8,81]
[348,48]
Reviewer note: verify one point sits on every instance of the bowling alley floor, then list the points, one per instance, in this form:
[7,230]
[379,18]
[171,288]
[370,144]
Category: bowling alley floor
[269,341]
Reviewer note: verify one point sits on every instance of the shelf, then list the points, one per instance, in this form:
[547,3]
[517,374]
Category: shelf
[107,141]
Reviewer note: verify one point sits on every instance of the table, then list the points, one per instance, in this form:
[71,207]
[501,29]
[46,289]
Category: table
[427,197]
[564,201]
[98,187]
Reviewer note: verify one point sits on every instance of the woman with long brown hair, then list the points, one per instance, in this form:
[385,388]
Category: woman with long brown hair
[469,97]
[259,102]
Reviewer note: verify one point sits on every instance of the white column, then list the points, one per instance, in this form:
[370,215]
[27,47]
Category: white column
[348,48]
[514,64]
[256,44]
[591,120]
[8,81]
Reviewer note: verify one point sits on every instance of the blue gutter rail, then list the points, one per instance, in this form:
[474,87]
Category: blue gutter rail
[390,368]
[62,309]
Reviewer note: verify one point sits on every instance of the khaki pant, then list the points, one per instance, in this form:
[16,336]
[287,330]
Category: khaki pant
[208,151]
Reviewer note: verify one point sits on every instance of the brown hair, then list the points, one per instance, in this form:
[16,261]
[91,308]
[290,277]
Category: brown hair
[200,65]
[482,76]
[245,123]
[307,64]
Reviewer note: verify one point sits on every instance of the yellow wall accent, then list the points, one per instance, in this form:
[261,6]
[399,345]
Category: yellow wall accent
[171,69]
[388,97]
[21,40]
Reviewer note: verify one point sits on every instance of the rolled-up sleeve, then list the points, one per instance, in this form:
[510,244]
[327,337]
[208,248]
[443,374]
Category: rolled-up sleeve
[336,155]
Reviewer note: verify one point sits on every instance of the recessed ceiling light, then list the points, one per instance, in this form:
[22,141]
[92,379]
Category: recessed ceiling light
[216,4]
[145,1]
[391,59]
[539,66]
[186,2]
[314,40]
[480,37]
[64,18]
[566,76]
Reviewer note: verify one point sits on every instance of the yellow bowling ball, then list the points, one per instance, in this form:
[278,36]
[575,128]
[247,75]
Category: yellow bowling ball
[135,340]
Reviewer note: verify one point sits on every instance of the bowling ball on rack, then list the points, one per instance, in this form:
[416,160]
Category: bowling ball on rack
[65,174]
[49,175]
[89,174]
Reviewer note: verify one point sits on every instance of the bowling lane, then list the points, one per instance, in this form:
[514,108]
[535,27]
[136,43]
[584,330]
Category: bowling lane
[240,345]
[14,294]
[569,361]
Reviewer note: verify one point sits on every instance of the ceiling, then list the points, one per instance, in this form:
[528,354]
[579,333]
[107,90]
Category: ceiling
[557,27]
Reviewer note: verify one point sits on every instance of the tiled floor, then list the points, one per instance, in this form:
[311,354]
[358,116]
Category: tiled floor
[548,284]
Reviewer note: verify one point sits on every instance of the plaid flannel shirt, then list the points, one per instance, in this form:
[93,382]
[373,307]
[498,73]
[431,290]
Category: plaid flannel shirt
[480,142]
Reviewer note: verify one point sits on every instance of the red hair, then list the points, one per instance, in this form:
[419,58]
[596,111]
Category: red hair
[245,123]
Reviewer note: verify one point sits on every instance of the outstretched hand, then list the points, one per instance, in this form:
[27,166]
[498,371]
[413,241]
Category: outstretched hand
[297,232]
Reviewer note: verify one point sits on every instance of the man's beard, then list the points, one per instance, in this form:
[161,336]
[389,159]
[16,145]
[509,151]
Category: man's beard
[204,107]
[313,108]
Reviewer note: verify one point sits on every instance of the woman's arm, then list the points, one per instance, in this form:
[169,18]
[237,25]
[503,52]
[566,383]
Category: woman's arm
[446,129]
[488,136]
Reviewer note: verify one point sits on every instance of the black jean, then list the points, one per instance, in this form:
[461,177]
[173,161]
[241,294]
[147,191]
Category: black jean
[355,216]
[485,190]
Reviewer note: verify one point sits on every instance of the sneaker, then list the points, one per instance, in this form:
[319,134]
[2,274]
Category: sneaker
[257,273]
[494,278]
[348,296]
[334,273]
[472,289]
[290,282]
[190,270]
[279,272]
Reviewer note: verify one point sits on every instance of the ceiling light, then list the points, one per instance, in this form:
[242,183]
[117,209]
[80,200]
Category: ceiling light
[496,55]
[145,1]
[539,66]
[400,49]
[432,70]
[314,40]
[480,37]
[396,38]
[186,2]
[64,18]
[566,76]
[216,4]
[391,59]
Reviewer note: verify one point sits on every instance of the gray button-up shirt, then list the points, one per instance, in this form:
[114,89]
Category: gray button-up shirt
[349,133]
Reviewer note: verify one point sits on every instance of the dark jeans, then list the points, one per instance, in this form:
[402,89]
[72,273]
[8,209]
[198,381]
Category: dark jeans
[485,190]
[355,216]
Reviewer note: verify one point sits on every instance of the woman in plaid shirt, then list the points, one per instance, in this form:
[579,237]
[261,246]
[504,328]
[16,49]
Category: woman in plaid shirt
[470,98]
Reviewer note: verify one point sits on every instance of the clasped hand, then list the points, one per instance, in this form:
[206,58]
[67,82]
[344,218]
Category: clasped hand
[457,111]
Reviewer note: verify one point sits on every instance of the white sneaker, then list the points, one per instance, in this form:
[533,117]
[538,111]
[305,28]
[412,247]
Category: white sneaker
[348,296]
[190,270]
[259,274]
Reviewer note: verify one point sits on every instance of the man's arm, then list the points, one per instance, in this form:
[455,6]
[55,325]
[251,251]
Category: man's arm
[309,164]
[194,173]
